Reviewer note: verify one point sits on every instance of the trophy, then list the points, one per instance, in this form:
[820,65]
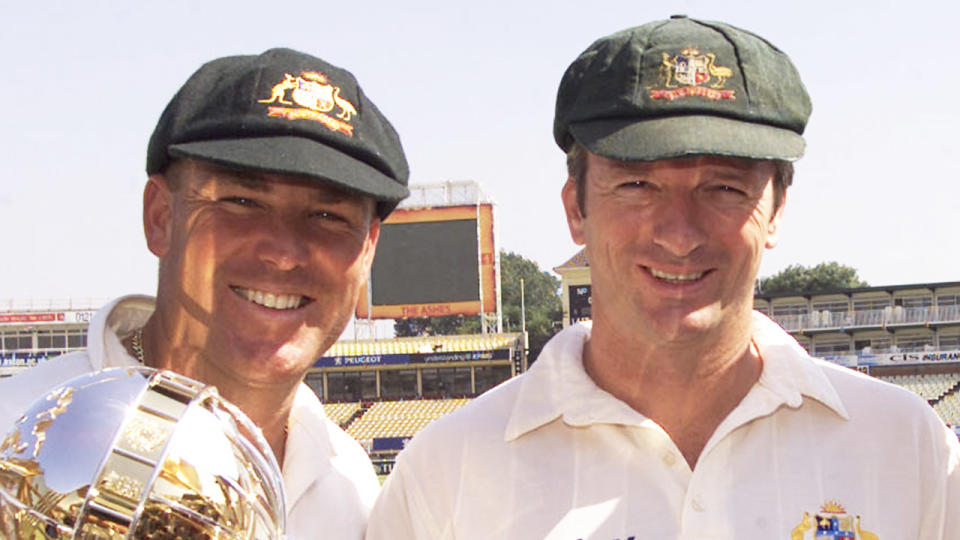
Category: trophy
[138,453]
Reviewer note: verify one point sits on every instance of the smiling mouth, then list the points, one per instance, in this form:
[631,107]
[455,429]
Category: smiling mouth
[279,302]
[675,278]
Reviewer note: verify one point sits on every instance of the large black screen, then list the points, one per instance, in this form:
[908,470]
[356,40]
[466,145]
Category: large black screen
[426,262]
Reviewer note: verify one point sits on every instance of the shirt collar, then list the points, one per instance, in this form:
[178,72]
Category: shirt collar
[788,371]
[558,386]
[308,451]
[111,324]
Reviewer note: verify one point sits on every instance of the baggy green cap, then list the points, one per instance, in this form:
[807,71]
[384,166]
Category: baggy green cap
[284,112]
[682,87]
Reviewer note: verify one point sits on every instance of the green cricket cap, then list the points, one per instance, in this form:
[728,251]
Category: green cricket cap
[284,112]
[683,87]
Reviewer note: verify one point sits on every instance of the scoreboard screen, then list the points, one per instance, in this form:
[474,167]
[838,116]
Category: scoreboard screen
[419,263]
[432,262]
[579,303]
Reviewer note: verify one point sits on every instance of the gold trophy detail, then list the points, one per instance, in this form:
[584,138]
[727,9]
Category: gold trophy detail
[136,453]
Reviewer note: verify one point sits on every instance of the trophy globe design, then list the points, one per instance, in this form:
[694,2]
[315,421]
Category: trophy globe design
[137,453]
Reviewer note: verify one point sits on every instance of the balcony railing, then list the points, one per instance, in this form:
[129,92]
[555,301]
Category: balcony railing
[872,318]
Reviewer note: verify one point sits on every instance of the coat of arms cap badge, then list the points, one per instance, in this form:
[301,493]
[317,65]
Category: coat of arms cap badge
[693,73]
[311,96]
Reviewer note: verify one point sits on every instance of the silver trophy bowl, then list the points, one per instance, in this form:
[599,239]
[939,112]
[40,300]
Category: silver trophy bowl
[138,453]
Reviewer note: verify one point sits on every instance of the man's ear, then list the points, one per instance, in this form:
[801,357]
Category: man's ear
[572,208]
[158,214]
[370,249]
[773,228]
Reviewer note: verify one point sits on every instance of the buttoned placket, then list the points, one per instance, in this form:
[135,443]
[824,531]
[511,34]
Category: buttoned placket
[704,514]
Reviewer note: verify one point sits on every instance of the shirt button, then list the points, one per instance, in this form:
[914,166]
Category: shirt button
[696,505]
[670,459]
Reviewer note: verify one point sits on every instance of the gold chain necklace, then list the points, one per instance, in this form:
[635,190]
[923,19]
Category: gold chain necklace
[136,343]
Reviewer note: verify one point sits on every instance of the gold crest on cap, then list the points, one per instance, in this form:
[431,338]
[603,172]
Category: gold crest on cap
[312,96]
[692,73]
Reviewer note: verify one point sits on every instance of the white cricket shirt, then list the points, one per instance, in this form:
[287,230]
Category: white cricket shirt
[812,449]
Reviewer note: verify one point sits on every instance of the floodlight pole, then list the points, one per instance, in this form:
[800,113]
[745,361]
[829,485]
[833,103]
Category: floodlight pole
[523,308]
[523,326]
[498,281]
[483,314]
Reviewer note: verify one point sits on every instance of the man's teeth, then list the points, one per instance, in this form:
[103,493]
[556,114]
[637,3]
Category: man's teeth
[667,276]
[270,300]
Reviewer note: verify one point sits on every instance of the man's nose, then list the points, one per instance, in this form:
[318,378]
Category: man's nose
[281,243]
[679,227]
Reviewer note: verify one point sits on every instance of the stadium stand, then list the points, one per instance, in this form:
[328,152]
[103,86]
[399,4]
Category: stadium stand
[949,408]
[384,427]
[11,363]
[941,390]
[399,419]
[422,345]
[930,387]
[32,331]
[405,368]
[342,413]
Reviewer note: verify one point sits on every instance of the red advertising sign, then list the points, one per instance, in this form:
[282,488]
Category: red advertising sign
[31,317]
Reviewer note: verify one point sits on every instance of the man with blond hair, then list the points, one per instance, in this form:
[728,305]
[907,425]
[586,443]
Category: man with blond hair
[263,205]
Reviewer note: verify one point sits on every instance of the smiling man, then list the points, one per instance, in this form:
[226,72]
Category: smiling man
[268,178]
[679,412]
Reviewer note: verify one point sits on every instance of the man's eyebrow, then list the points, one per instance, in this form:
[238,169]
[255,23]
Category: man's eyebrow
[249,180]
[736,173]
[630,166]
[732,173]
[263,183]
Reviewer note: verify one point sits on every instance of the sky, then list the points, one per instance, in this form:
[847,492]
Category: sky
[470,87]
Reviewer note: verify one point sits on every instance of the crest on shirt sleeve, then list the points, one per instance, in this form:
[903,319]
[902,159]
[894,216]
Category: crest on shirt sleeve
[831,522]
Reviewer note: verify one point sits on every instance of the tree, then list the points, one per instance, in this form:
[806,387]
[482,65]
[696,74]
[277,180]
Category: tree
[541,295]
[542,299]
[438,326]
[800,279]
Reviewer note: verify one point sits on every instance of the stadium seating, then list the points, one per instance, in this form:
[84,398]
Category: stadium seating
[949,408]
[929,387]
[942,390]
[341,413]
[423,344]
[400,418]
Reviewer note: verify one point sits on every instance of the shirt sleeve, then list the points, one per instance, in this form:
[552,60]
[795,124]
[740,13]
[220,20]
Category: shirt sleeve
[952,506]
[941,519]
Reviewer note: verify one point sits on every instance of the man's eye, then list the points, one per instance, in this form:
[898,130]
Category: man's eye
[329,216]
[240,201]
[729,190]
